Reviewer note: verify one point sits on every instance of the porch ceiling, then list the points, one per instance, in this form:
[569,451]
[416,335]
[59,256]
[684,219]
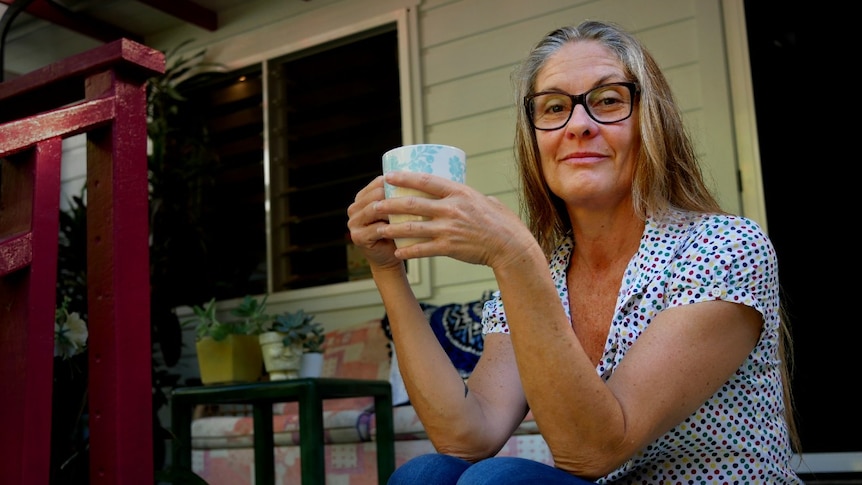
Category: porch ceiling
[107,20]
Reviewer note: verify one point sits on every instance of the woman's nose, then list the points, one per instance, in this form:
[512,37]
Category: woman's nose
[580,123]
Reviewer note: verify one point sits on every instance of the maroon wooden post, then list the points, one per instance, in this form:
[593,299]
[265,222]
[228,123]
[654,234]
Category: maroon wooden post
[118,288]
[37,111]
[26,351]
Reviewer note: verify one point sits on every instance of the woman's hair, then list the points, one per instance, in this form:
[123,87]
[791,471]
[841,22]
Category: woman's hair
[667,172]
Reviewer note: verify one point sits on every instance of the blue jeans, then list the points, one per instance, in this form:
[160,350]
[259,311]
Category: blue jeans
[437,469]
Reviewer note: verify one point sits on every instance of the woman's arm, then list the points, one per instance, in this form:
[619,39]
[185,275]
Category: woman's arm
[592,427]
[471,424]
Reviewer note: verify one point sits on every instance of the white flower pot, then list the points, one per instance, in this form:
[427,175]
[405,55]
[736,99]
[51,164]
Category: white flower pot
[312,364]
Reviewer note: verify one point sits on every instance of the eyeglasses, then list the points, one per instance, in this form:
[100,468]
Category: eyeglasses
[608,103]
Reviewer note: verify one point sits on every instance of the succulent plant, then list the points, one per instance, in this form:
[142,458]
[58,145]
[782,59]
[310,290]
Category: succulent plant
[300,328]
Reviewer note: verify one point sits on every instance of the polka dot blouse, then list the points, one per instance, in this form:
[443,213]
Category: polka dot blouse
[738,435]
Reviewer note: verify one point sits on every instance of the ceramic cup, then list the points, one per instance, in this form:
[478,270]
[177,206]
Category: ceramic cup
[443,160]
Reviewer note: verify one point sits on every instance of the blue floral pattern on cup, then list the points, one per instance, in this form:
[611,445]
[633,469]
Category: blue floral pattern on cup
[425,158]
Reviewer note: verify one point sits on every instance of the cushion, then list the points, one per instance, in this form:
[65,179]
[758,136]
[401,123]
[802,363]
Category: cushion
[458,327]
[344,426]
[354,352]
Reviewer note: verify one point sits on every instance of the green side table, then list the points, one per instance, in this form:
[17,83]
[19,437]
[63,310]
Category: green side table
[310,394]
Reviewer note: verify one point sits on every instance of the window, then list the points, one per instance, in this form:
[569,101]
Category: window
[333,111]
[297,134]
[209,222]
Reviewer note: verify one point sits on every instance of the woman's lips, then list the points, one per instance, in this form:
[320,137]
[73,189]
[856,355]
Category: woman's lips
[582,157]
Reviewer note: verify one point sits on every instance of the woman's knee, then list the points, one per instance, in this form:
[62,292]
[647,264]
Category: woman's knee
[516,471]
[432,468]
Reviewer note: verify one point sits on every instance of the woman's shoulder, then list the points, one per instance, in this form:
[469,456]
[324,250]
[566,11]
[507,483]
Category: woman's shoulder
[723,253]
[679,234]
[676,223]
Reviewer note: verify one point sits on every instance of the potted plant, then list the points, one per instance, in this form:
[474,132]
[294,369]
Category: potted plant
[252,313]
[285,342]
[312,351]
[227,350]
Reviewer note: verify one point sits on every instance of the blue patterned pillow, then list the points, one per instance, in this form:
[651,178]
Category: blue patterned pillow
[458,328]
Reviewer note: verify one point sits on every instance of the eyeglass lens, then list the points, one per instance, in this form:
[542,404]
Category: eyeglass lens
[606,104]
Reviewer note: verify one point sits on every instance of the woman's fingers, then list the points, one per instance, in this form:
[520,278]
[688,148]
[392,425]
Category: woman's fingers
[435,186]
[458,221]
[363,223]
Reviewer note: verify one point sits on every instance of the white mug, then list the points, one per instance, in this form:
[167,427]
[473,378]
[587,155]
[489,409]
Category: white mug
[443,160]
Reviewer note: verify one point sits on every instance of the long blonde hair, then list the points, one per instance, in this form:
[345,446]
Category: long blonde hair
[667,173]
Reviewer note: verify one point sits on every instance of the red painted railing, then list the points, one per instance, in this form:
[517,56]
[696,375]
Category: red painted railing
[101,93]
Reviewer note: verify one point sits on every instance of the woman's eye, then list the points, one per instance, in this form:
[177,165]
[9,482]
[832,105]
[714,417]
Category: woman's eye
[555,108]
[606,100]
[554,105]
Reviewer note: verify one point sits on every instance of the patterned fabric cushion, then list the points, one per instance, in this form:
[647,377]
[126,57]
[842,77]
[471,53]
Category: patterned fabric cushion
[349,426]
[355,352]
[222,445]
[346,464]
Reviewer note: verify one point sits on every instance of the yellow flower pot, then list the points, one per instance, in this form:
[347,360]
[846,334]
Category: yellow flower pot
[234,359]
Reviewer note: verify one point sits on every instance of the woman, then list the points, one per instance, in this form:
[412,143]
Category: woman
[652,351]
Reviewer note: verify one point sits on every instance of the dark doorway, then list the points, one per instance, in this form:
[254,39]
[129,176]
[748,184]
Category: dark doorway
[807,102]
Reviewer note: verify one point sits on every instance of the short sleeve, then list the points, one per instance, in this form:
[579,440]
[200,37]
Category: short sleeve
[729,259]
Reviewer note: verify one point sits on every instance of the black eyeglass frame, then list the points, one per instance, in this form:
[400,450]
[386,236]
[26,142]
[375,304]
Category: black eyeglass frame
[577,99]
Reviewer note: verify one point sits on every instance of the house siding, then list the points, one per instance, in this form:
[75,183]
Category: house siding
[467,51]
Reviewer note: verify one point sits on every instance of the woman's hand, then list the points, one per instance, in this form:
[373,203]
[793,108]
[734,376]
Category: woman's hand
[462,223]
[365,222]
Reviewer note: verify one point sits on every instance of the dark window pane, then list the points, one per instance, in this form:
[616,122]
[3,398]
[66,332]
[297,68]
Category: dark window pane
[334,110]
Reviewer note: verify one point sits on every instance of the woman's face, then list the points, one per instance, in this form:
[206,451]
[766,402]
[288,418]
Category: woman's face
[586,163]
